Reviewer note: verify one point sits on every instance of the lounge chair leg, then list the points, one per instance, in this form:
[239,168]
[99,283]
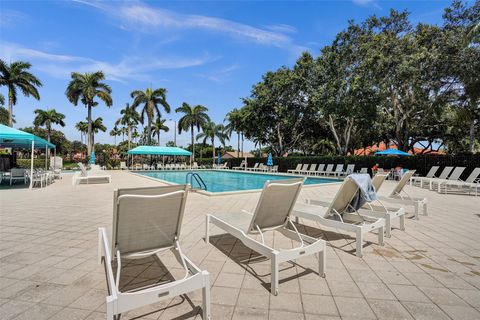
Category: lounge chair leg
[402,222]
[206,299]
[274,276]
[110,314]
[425,213]
[359,243]
[380,235]
[388,227]
[207,228]
[322,259]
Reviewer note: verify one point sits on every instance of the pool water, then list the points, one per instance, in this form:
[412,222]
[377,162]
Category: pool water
[225,181]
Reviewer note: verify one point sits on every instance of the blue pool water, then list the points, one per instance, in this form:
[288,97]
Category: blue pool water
[223,180]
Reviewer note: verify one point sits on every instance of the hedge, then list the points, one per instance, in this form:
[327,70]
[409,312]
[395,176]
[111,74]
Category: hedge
[25,163]
[421,163]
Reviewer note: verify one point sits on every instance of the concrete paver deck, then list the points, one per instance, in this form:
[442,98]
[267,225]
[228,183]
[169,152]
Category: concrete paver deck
[48,254]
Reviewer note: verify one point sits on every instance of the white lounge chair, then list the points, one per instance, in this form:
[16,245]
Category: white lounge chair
[338,170]
[327,170]
[255,167]
[430,174]
[92,176]
[350,169]
[336,214]
[472,182]
[123,165]
[320,169]
[455,176]
[240,167]
[17,174]
[303,169]
[400,197]
[272,213]
[443,175]
[37,178]
[297,168]
[363,170]
[312,170]
[147,221]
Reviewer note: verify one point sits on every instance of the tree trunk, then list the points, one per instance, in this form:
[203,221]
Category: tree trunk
[115,140]
[238,144]
[129,136]
[158,136]
[89,132]
[10,108]
[472,135]
[193,144]
[242,144]
[149,132]
[49,132]
[213,151]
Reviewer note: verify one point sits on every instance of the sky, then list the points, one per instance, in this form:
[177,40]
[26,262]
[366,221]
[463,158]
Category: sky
[203,52]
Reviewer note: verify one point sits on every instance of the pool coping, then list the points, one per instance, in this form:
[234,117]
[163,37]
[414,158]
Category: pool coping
[224,193]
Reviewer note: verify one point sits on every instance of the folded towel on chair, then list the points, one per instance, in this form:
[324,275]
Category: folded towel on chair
[366,191]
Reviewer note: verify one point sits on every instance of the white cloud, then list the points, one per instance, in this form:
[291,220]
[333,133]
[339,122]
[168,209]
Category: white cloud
[60,66]
[220,75]
[367,3]
[145,18]
[10,18]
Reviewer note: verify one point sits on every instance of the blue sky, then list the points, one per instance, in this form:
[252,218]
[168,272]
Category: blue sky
[202,52]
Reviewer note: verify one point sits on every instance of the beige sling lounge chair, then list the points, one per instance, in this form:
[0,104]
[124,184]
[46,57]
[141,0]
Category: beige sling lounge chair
[271,213]
[147,221]
[336,214]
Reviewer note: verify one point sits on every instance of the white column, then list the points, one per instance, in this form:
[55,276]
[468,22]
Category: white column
[46,160]
[31,166]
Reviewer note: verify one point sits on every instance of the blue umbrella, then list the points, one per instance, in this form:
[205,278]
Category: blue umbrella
[92,158]
[392,152]
[270,160]
[218,159]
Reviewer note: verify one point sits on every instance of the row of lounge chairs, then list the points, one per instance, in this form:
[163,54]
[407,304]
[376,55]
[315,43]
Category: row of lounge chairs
[257,167]
[322,170]
[39,177]
[449,180]
[147,221]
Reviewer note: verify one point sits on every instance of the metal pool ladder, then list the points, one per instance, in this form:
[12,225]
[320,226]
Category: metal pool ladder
[198,179]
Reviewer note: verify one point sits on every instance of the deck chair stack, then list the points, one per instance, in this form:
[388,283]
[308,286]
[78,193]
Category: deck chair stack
[272,213]
[147,221]
[339,214]
[400,197]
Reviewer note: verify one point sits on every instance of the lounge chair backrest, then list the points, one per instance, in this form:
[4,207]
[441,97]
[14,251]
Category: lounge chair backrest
[473,175]
[298,167]
[339,168]
[147,218]
[350,168]
[343,197]
[83,169]
[305,167]
[403,181]
[256,165]
[432,171]
[364,170]
[378,180]
[456,173]
[329,168]
[321,167]
[446,171]
[313,167]
[15,172]
[275,204]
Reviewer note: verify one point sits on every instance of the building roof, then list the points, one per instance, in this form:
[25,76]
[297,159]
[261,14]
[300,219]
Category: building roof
[14,138]
[164,151]
[235,154]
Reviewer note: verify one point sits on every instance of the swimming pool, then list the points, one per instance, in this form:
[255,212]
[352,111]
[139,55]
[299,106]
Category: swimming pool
[226,180]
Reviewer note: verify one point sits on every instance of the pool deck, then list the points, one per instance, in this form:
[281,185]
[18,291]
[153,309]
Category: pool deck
[49,270]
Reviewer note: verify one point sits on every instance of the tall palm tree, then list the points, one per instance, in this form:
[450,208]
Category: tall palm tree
[130,118]
[47,118]
[16,76]
[211,131]
[235,123]
[115,132]
[193,117]
[151,100]
[97,125]
[158,126]
[82,126]
[86,87]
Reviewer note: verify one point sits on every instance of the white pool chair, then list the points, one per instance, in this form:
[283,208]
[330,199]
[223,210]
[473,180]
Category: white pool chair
[255,166]
[272,213]
[312,170]
[320,169]
[455,176]
[472,182]
[17,174]
[350,169]
[303,169]
[400,197]
[428,181]
[147,221]
[338,170]
[327,170]
[297,168]
[92,176]
[339,214]
[240,167]
[430,174]
[363,170]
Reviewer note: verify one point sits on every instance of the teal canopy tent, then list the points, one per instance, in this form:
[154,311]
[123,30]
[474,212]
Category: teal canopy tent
[163,151]
[14,138]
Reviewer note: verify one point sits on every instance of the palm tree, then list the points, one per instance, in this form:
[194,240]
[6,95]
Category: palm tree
[135,135]
[82,126]
[15,76]
[210,131]
[194,117]
[97,125]
[151,100]
[115,132]
[86,87]
[158,126]
[47,118]
[234,119]
[129,119]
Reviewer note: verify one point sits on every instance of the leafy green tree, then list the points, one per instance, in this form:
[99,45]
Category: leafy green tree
[47,118]
[82,126]
[235,124]
[4,116]
[85,88]
[15,76]
[130,118]
[62,144]
[151,100]
[115,132]
[97,125]
[194,117]
[211,130]
[159,126]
